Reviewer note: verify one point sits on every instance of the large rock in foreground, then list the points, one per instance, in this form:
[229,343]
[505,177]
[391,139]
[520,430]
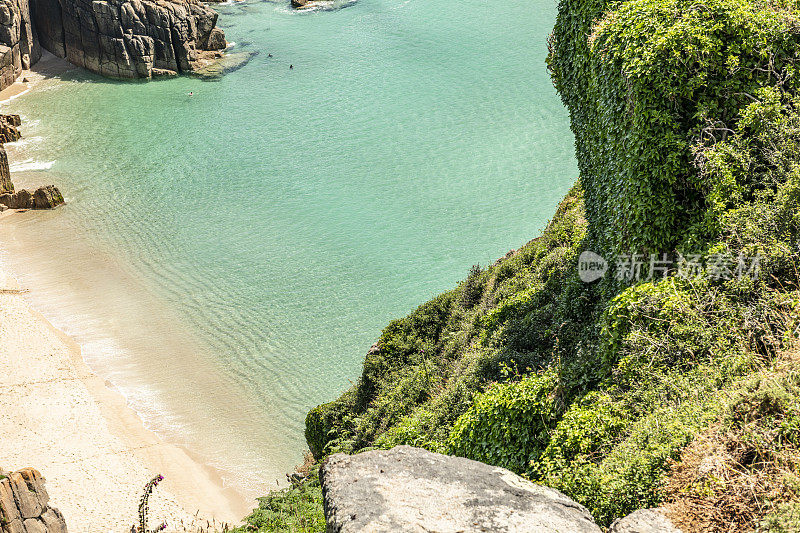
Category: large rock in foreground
[644,521]
[410,489]
[24,504]
[128,38]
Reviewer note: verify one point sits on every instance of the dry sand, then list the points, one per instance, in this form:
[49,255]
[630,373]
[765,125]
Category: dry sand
[48,66]
[95,453]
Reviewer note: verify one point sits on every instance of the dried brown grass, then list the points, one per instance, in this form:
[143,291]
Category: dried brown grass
[733,476]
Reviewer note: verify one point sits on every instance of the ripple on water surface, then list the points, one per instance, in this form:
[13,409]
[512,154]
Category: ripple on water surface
[226,259]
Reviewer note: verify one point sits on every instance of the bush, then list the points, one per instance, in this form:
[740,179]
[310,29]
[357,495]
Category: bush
[508,425]
[297,509]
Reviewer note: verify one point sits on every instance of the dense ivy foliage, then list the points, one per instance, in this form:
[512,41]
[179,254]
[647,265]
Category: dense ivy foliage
[654,83]
[687,132]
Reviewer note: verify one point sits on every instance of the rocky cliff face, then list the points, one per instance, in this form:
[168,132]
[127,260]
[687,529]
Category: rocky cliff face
[128,39]
[116,38]
[24,504]
[19,46]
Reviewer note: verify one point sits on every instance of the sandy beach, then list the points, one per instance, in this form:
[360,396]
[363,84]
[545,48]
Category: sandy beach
[92,449]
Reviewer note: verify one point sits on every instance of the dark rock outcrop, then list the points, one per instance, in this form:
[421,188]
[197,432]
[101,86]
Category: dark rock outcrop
[24,504]
[8,133]
[216,40]
[5,175]
[22,199]
[128,38]
[42,198]
[411,489]
[45,197]
[644,521]
[19,45]
[8,128]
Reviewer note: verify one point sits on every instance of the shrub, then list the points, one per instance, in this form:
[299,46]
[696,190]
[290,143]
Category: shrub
[508,425]
[296,509]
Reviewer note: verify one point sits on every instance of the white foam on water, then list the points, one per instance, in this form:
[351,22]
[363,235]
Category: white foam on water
[15,96]
[25,141]
[31,164]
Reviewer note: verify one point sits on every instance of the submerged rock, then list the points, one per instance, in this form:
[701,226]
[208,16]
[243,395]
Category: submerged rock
[217,66]
[411,489]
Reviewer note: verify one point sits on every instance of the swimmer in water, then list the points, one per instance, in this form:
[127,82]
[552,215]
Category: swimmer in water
[291,67]
[191,93]
[269,55]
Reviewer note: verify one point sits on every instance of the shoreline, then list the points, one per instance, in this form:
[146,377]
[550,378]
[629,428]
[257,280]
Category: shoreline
[65,421]
[79,431]
[48,66]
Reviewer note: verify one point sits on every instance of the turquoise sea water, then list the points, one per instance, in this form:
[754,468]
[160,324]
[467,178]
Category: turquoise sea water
[226,259]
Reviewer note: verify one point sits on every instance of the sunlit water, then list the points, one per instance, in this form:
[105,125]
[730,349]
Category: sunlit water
[226,259]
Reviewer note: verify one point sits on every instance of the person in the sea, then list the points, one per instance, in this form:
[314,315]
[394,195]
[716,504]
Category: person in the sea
[291,67]
[269,55]
[191,93]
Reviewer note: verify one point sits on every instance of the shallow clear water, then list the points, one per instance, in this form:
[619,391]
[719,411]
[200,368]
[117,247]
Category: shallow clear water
[226,259]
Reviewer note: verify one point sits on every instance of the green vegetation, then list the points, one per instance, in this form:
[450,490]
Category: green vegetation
[686,116]
[742,473]
[297,509]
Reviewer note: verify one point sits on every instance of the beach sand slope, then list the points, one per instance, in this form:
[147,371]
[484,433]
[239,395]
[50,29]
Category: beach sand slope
[58,417]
